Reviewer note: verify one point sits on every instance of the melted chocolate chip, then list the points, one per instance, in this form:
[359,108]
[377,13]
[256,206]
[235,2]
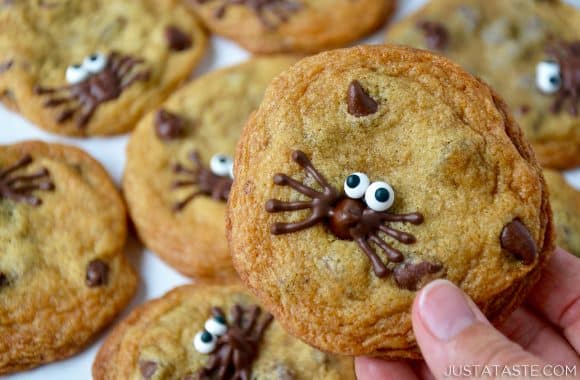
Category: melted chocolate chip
[3,280]
[5,66]
[147,368]
[359,102]
[436,34]
[97,273]
[177,40]
[409,276]
[516,239]
[168,126]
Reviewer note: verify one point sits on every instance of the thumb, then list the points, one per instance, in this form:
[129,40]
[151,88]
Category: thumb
[454,335]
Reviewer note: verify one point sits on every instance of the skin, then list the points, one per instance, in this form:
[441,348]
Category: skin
[451,331]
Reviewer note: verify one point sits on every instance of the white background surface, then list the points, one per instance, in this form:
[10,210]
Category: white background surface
[156,277]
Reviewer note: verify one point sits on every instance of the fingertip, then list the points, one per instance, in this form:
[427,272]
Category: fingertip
[367,368]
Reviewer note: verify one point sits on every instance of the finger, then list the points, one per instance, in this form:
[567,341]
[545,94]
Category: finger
[453,333]
[377,369]
[557,295]
[538,337]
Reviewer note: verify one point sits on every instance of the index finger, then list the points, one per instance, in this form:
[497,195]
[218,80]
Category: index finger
[557,295]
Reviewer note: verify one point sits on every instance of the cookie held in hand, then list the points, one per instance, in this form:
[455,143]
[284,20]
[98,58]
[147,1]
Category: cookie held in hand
[368,172]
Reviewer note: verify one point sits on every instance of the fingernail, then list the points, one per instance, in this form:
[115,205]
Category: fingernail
[444,309]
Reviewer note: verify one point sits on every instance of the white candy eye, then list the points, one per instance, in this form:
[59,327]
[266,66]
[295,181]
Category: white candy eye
[95,63]
[356,185]
[216,326]
[220,164]
[548,77]
[231,173]
[75,74]
[379,196]
[204,342]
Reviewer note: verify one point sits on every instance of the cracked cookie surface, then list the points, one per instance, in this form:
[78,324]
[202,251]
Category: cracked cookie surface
[86,68]
[301,26]
[158,341]
[517,47]
[387,158]
[177,177]
[63,273]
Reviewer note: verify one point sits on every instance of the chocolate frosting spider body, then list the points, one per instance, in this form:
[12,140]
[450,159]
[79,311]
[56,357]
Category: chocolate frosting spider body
[99,80]
[235,350]
[206,180]
[270,12]
[568,58]
[350,219]
[19,188]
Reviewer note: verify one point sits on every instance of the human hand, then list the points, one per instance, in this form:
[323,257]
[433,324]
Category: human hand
[453,333]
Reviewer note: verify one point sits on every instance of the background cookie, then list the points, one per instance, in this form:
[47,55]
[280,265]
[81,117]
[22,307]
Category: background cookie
[160,340]
[565,201]
[465,197]
[179,212]
[63,275]
[80,67]
[270,26]
[503,42]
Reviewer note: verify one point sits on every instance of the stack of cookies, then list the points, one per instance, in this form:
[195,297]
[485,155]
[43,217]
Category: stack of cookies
[308,193]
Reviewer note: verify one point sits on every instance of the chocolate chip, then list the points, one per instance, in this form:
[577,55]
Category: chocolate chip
[409,276]
[147,368]
[177,40]
[359,102]
[97,273]
[5,66]
[524,109]
[168,125]
[436,34]
[3,280]
[516,239]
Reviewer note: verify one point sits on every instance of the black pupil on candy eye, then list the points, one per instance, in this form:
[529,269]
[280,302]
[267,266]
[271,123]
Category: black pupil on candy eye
[382,195]
[554,80]
[220,319]
[223,160]
[206,337]
[94,57]
[76,66]
[353,181]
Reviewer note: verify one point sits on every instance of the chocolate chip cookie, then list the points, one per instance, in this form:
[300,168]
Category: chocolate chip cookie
[368,172]
[179,162]
[206,332]
[529,51]
[565,201]
[270,26]
[63,275]
[85,68]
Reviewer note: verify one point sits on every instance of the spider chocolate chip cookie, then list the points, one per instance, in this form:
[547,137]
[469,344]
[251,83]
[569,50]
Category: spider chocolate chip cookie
[205,332]
[179,163]
[565,201]
[529,51]
[367,172]
[269,26]
[93,67]
[63,274]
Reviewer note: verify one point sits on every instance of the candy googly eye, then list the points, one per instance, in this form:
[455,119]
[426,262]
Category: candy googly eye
[356,185]
[216,326]
[379,196]
[231,173]
[95,63]
[548,77]
[220,164]
[76,74]
[204,342]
